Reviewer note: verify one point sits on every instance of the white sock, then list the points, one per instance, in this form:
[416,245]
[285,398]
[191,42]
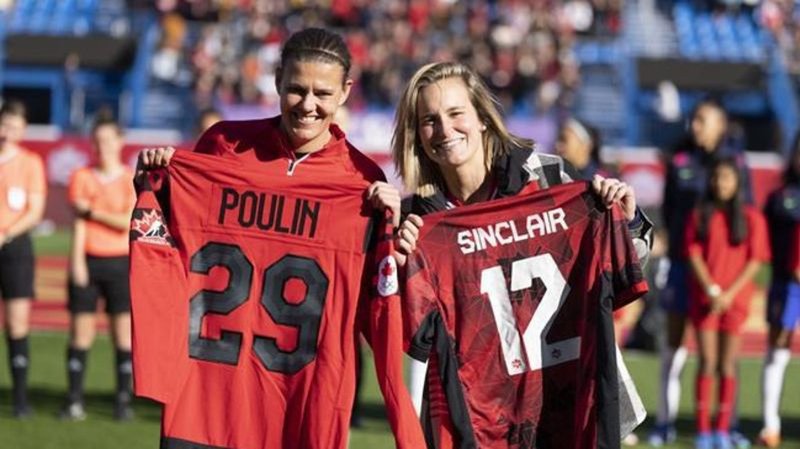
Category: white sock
[416,382]
[672,362]
[771,386]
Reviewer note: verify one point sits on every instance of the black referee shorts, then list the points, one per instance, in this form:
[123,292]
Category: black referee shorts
[108,276]
[16,268]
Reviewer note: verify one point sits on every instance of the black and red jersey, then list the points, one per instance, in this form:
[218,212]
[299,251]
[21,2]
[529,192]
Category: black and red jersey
[512,300]
[246,281]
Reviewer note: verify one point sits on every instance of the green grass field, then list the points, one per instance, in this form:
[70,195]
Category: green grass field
[48,384]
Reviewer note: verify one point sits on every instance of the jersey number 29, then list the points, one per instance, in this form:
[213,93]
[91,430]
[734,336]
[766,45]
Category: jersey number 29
[305,315]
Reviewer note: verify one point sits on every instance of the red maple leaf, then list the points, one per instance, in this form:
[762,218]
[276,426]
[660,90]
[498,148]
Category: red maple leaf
[517,364]
[387,269]
[145,224]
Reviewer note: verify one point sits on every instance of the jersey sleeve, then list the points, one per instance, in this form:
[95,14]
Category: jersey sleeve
[758,242]
[158,303]
[419,307]
[78,189]
[385,336]
[622,263]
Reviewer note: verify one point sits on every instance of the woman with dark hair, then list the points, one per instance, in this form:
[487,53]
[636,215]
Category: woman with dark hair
[688,168]
[579,144]
[783,308]
[726,244]
[294,383]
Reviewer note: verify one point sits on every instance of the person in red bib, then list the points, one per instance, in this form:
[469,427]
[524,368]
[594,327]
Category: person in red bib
[102,196]
[23,187]
[726,244]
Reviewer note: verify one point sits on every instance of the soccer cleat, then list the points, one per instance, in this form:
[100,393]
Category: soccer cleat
[661,435]
[739,440]
[722,440]
[22,411]
[769,438]
[73,411]
[123,411]
[704,441]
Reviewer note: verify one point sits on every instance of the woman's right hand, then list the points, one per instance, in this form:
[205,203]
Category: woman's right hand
[79,272]
[407,236]
[150,158]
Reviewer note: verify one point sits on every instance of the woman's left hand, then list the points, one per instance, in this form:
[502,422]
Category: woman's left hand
[612,190]
[383,195]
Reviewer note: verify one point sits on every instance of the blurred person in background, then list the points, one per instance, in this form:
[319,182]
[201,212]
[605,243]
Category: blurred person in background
[206,119]
[726,244]
[102,196]
[783,306]
[688,168]
[23,186]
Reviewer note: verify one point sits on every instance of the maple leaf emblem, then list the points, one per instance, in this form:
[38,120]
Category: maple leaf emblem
[387,269]
[556,353]
[517,363]
[149,225]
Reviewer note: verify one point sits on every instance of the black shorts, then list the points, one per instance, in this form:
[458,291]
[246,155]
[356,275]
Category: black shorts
[16,268]
[108,276]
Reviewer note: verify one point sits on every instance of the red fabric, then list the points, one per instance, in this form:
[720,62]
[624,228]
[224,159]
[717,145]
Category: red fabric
[508,399]
[725,263]
[702,394]
[386,339]
[727,397]
[245,270]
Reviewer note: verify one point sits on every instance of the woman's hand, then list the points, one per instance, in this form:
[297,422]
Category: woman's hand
[79,272]
[407,236]
[150,158]
[383,195]
[612,190]
[721,302]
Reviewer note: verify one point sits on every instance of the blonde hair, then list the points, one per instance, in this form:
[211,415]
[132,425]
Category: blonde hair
[420,174]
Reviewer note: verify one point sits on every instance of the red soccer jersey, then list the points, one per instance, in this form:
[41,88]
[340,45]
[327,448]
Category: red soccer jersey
[513,300]
[725,261]
[245,283]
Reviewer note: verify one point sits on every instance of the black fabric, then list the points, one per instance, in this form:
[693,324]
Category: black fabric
[108,276]
[608,420]
[17,268]
[451,384]
[19,360]
[175,443]
[423,340]
[76,369]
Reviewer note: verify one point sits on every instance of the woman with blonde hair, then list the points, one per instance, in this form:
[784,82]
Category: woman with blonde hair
[452,148]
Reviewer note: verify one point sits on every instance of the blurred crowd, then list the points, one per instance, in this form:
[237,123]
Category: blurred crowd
[226,51]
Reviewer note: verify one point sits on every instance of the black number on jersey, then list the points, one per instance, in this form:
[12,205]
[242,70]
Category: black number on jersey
[226,349]
[305,315]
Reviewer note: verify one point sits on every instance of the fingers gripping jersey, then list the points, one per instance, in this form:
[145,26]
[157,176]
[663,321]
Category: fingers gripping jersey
[245,287]
[513,301]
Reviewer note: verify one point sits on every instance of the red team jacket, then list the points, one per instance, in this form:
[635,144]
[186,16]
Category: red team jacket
[512,300]
[246,281]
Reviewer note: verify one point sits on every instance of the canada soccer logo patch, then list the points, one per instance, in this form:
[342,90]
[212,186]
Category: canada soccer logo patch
[147,225]
[387,276]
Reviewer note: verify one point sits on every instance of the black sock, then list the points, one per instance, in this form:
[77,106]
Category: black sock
[76,368]
[123,375]
[18,361]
